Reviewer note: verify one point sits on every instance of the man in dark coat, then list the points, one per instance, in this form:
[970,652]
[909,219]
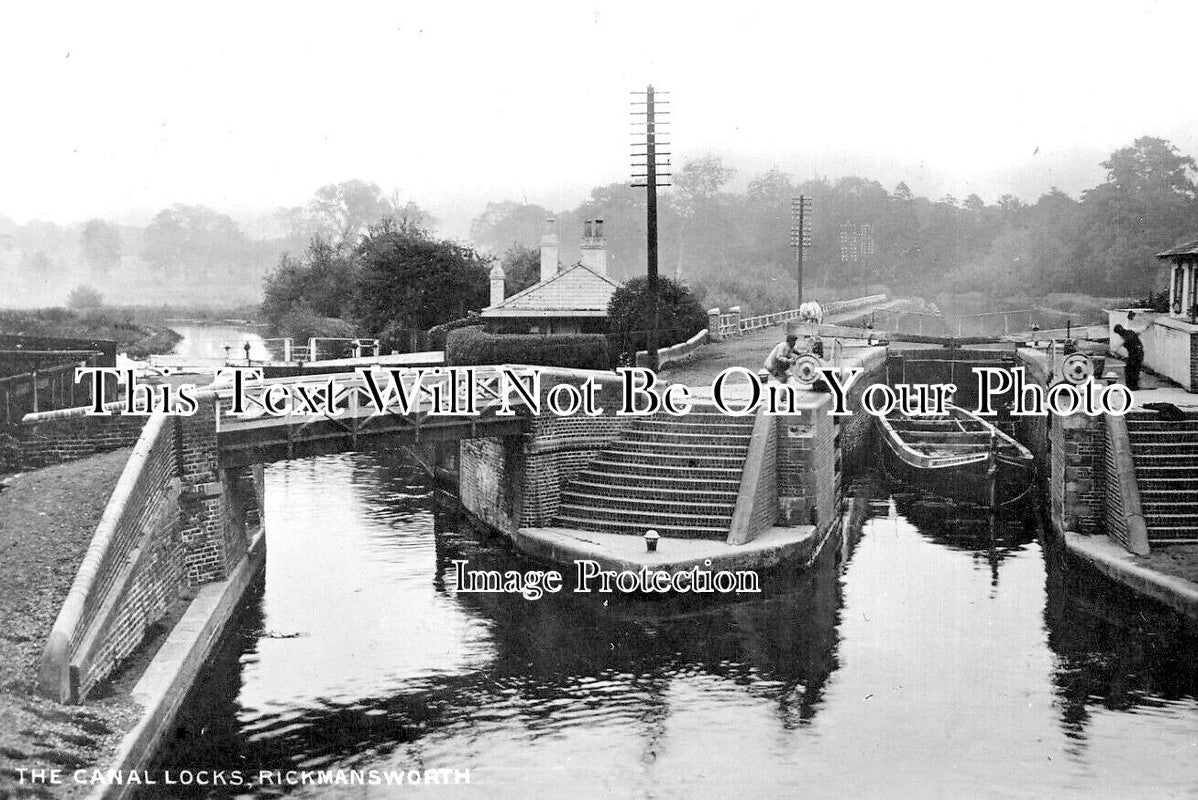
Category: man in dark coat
[1135,355]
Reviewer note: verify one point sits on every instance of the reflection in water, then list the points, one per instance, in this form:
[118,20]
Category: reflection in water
[917,657]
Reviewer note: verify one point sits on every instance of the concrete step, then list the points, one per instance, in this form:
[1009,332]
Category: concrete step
[1165,459]
[687,459]
[691,428]
[1154,505]
[1173,521]
[701,491]
[1186,483]
[637,470]
[1162,433]
[648,516]
[738,449]
[628,505]
[1166,471]
[1164,448]
[637,528]
[1138,422]
[1154,438]
[707,437]
[1172,534]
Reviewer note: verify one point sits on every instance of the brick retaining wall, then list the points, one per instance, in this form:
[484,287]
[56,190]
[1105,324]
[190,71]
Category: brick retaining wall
[174,521]
[57,441]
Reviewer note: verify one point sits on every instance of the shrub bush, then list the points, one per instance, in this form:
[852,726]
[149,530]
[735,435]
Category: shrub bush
[438,333]
[680,315]
[84,297]
[473,345]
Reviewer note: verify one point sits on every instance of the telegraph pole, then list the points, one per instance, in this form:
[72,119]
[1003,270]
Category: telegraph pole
[800,236]
[650,177]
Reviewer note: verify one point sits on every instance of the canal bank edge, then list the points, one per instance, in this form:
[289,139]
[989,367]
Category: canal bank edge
[1111,560]
[171,674]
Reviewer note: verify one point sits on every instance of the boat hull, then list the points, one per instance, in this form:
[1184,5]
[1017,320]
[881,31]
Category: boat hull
[959,456]
[969,484]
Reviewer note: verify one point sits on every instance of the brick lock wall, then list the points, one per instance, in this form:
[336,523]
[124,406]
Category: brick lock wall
[145,539]
[71,438]
[557,449]
[207,554]
[181,524]
[490,474]
[806,467]
[765,501]
[1116,518]
[1077,485]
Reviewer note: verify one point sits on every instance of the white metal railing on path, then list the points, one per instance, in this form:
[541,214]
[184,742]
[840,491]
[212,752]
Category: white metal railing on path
[732,323]
[321,348]
[1026,319]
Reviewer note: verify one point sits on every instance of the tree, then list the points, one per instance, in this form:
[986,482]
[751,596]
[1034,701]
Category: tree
[323,282]
[410,281]
[101,244]
[695,189]
[83,297]
[341,212]
[679,314]
[521,268]
[1146,203]
[195,243]
[506,223]
[38,266]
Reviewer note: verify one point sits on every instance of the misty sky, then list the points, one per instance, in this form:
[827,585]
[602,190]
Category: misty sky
[117,110]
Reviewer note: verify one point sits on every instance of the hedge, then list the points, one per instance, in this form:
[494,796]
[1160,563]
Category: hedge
[473,345]
[438,333]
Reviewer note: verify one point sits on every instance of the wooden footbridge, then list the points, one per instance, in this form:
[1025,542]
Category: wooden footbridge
[295,417]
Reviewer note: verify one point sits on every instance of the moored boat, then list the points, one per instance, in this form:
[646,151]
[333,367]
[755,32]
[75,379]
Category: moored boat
[958,455]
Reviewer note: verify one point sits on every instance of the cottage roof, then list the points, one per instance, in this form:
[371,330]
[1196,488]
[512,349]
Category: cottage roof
[576,291]
[1188,248]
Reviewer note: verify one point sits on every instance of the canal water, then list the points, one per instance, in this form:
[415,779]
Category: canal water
[928,653]
[205,343]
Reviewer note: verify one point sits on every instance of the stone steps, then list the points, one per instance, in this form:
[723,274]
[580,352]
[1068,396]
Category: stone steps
[677,507]
[688,439]
[1186,481]
[1163,436]
[685,429]
[584,519]
[1165,453]
[1170,447]
[673,459]
[676,475]
[631,471]
[697,490]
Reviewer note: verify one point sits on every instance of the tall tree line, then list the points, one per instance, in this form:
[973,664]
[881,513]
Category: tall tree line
[735,246]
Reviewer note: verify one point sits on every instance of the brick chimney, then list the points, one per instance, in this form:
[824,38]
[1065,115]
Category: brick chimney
[594,246]
[497,284]
[549,245]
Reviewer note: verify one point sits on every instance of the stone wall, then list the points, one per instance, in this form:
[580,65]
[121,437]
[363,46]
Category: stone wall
[490,474]
[1076,484]
[174,522]
[765,503]
[58,440]
[807,468]
[516,481]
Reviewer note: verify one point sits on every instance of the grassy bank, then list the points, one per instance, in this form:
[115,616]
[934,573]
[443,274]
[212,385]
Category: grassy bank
[47,518]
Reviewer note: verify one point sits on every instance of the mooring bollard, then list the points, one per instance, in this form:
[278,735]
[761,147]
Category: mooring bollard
[651,538]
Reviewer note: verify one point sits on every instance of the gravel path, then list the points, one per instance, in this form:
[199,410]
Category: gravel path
[47,518]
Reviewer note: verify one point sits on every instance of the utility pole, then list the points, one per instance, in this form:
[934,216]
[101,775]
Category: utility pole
[650,177]
[800,236]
